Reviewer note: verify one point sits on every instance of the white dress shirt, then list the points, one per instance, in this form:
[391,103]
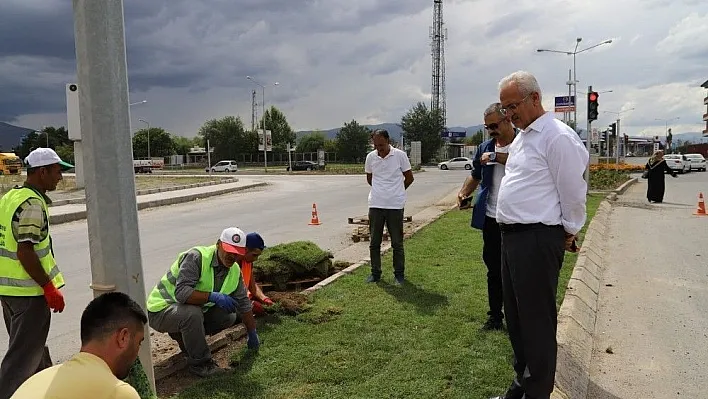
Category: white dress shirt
[387,188]
[544,181]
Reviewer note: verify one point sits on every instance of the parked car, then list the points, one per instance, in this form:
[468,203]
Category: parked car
[224,166]
[456,163]
[304,165]
[698,162]
[678,162]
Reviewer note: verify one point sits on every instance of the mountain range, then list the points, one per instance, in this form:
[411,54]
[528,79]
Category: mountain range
[11,136]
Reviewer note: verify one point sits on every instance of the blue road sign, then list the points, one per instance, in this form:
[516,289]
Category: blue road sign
[565,103]
[447,134]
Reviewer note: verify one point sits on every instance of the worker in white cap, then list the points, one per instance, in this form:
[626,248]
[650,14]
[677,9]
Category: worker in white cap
[203,294]
[29,277]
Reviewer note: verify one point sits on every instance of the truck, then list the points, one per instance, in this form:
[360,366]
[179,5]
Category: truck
[148,165]
[10,164]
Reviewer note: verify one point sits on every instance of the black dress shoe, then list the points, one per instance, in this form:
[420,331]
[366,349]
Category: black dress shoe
[514,392]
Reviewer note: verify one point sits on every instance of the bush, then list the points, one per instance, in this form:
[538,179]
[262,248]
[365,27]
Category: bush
[291,261]
[621,167]
[607,179]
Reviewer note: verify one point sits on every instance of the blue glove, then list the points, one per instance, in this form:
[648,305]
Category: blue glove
[253,342]
[223,301]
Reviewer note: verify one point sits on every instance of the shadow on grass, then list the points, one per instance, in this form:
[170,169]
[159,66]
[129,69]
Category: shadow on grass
[426,302]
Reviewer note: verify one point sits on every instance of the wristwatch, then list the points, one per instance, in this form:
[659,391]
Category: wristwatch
[492,156]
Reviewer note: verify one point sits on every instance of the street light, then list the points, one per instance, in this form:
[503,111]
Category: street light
[139,102]
[575,78]
[265,146]
[148,134]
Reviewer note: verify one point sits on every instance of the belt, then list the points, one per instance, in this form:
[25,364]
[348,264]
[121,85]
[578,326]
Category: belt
[516,227]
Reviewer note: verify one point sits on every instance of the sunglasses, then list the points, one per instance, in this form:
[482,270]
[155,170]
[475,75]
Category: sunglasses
[492,126]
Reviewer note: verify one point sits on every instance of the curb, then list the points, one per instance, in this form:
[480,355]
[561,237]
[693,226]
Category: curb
[577,315]
[612,196]
[80,215]
[177,362]
[82,200]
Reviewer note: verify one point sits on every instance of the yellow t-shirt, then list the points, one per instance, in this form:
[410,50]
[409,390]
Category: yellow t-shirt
[83,376]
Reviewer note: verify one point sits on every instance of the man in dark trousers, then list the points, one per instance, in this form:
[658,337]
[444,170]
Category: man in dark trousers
[29,276]
[388,172]
[540,209]
[487,173]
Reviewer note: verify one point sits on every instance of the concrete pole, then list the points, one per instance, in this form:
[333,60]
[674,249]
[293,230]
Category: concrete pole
[79,164]
[587,143]
[112,215]
[617,162]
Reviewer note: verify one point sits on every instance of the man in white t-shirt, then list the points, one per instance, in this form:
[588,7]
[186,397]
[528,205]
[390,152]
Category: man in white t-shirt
[487,172]
[388,172]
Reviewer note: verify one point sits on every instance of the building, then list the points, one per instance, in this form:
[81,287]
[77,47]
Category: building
[705,102]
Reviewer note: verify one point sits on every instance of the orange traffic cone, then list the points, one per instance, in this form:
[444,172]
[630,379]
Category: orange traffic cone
[701,210]
[315,219]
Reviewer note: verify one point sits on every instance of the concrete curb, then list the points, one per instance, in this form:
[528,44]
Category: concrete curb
[624,187]
[80,215]
[177,362]
[577,315]
[82,200]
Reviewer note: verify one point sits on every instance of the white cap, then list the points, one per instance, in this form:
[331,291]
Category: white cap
[43,157]
[233,240]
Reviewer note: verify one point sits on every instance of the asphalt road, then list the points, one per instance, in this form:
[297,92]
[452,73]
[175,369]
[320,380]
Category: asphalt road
[653,316]
[280,212]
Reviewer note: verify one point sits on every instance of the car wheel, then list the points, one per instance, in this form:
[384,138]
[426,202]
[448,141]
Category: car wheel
[309,168]
[468,167]
[443,167]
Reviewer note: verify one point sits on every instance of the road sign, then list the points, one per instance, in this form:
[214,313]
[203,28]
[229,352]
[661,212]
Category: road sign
[415,153]
[268,139]
[565,104]
[448,134]
[656,147]
[595,136]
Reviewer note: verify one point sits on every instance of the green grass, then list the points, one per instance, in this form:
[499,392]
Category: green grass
[359,340]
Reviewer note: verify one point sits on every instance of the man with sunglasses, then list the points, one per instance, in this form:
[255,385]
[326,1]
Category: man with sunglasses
[487,172]
[540,209]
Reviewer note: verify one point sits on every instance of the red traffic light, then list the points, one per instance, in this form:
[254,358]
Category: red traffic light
[593,96]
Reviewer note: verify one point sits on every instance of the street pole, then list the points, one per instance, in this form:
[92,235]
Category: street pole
[617,161]
[265,136]
[208,156]
[587,146]
[290,160]
[148,136]
[575,93]
[112,213]
[570,82]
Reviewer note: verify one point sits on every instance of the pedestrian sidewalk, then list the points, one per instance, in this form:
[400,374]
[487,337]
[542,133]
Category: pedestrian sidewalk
[72,212]
[651,331]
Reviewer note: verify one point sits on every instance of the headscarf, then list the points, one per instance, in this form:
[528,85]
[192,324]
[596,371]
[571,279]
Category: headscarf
[658,156]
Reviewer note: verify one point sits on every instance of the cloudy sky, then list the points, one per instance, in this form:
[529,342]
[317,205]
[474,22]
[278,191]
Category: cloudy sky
[368,60]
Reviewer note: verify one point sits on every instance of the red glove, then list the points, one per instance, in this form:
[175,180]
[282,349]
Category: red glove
[257,308]
[54,298]
[268,302]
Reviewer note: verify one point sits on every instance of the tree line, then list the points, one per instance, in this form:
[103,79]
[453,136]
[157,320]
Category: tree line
[229,137]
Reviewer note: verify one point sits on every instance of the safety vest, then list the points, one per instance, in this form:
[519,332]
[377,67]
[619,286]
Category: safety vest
[246,271]
[14,280]
[163,295]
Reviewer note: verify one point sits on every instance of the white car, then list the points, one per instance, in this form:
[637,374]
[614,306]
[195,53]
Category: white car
[224,166]
[698,162]
[456,163]
[678,162]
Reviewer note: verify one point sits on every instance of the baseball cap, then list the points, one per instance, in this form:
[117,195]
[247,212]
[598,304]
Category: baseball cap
[235,241]
[44,157]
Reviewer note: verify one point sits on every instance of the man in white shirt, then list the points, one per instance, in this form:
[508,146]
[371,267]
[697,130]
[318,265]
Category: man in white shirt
[540,209]
[388,172]
[487,173]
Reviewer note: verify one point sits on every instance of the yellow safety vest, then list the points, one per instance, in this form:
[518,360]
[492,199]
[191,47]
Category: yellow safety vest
[14,280]
[163,294]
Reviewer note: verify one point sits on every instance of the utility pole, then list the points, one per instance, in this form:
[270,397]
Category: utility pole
[253,110]
[617,161]
[587,147]
[112,214]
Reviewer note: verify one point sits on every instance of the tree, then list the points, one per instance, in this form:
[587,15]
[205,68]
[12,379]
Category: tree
[184,144]
[56,137]
[475,139]
[353,142]
[228,138]
[424,125]
[311,142]
[161,143]
[281,131]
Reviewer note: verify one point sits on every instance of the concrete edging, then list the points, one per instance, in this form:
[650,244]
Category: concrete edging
[82,200]
[625,186]
[80,215]
[578,313]
[177,362]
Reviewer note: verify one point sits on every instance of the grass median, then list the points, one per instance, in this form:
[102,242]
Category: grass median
[361,340]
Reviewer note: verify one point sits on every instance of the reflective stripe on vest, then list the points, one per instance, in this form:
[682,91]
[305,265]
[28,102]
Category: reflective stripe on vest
[14,280]
[163,294]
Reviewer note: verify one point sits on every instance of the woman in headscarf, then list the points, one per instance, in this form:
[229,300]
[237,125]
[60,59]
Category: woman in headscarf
[656,168]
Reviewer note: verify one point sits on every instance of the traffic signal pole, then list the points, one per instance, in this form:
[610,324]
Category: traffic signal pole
[587,145]
[617,162]
[112,213]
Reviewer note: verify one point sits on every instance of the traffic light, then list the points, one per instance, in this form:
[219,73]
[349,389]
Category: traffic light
[626,141]
[613,129]
[592,105]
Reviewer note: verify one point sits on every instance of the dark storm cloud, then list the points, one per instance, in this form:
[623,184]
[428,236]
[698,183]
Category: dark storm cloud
[178,43]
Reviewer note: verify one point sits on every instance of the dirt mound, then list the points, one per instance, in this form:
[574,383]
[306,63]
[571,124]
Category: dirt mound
[290,303]
[292,261]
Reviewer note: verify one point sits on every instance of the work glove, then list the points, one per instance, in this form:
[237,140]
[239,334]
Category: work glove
[253,341]
[223,301]
[54,298]
[257,308]
[268,302]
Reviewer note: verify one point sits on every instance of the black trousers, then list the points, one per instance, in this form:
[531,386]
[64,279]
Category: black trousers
[532,256]
[393,219]
[491,254]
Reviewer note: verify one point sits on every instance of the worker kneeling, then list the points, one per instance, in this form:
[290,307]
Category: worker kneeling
[203,294]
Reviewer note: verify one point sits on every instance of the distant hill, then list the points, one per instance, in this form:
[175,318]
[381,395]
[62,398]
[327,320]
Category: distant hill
[11,136]
[393,130]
